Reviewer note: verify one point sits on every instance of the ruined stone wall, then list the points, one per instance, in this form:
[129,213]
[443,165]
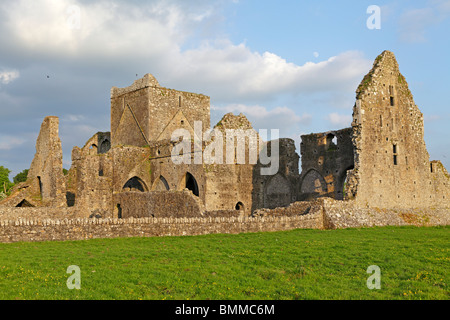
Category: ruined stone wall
[243,184]
[326,158]
[281,188]
[324,213]
[145,112]
[169,175]
[45,181]
[392,167]
[298,208]
[348,214]
[157,204]
[89,181]
[83,229]
[130,162]
[229,176]
[30,213]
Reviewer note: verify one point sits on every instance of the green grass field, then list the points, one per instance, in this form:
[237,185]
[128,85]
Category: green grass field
[297,264]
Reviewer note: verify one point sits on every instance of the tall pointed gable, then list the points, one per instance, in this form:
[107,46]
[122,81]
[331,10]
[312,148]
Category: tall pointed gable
[392,167]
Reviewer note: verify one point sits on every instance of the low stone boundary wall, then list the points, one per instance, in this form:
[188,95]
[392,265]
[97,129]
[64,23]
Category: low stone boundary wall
[345,214]
[30,213]
[294,209]
[157,204]
[44,224]
[82,229]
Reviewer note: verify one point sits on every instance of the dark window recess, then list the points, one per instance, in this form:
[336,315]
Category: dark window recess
[394,149]
[391,94]
[134,184]
[191,184]
[70,199]
[239,206]
[24,204]
[105,146]
[119,211]
[40,186]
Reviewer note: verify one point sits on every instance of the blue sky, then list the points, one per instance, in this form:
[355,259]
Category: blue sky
[288,65]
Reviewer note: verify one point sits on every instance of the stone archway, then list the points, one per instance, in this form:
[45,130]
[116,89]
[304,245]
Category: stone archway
[191,184]
[24,204]
[278,192]
[105,146]
[341,184]
[313,185]
[161,184]
[239,206]
[135,184]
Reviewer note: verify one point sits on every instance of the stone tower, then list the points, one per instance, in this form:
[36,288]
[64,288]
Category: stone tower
[392,166]
[45,185]
[145,112]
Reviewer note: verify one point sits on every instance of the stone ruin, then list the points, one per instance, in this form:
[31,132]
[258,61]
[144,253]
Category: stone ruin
[381,161]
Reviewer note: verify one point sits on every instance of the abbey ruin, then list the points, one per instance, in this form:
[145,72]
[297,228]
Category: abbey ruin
[375,172]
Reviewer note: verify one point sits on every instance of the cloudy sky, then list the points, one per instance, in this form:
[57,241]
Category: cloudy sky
[288,65]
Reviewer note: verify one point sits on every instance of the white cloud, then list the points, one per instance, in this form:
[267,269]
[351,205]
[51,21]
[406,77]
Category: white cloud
[227,70]
[126,35]
[414,23]
[339,120]
[71,118]
[286,120]
[7,76]
[180,42]
[10,142]
[106,28]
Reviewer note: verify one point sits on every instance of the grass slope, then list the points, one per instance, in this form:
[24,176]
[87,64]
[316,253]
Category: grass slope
[297,264]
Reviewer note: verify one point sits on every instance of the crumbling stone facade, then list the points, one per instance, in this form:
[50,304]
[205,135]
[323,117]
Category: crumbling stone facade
[392,165]
[45,185]
[326,158]
[89,180]
[379,164]
[145,112]
[282,188]
[381,161]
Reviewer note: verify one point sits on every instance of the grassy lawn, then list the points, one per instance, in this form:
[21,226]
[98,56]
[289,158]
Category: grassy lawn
[297,264]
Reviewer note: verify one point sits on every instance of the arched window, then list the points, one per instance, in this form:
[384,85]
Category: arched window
[331,141]
[161,184]
[119,211]
[135,184]
[191,184]
[24,204]
[40,186]
[105,146]
[313,184]
[70,199]
[93,149]
[239,206]
[278,192]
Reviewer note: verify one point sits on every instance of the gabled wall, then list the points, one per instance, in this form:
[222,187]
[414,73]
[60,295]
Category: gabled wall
[392,166]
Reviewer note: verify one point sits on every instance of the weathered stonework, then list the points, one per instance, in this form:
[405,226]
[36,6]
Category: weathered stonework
[326,158]
[45,181]
[145,112]
[281,188]
[392,165]
[123,182]
[89,180]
